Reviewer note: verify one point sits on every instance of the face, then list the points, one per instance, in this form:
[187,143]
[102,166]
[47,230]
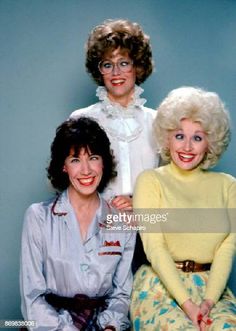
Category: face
[188,145]
[85,172]
[120,85]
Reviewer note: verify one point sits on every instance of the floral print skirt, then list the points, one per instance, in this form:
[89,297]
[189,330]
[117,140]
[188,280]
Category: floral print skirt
[153,309]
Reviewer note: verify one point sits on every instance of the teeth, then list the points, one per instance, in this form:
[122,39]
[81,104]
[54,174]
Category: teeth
[117,81]
[86,180]
[186,156]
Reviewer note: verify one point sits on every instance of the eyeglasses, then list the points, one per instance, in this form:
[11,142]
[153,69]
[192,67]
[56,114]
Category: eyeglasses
[106,67]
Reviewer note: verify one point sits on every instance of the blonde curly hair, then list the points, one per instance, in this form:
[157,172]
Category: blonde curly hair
[199,106]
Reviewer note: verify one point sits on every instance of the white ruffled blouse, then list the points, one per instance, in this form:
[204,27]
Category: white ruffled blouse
[130,132]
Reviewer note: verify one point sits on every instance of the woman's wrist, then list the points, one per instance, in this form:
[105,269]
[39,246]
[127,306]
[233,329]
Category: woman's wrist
[188,303]
[192,310]
[209,303]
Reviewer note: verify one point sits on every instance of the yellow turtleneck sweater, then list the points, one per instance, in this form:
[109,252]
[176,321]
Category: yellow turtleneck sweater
[172,187]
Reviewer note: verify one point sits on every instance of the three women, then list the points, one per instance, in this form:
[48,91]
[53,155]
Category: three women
[185,285]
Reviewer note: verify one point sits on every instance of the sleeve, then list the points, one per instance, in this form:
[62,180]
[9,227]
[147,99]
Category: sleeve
[93,111]
[77,113]
[224,255]
[147,197]
[116,313]
[32,280]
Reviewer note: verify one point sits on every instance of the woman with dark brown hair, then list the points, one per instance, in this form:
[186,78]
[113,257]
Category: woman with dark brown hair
[75,272]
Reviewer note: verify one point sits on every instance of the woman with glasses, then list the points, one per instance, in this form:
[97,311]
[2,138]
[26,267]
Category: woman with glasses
[119,59]
[75,272]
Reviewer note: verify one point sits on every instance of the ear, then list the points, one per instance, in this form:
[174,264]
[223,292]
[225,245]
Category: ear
[64,169]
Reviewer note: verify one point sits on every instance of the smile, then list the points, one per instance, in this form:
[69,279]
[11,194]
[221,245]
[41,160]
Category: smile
[186,157]
[86,181]
[118,82]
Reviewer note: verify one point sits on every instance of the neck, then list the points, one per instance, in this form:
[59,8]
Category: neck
[183,173]
[79,201]
[123,100]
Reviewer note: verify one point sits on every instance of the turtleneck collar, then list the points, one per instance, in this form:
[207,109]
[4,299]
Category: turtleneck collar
[185,174]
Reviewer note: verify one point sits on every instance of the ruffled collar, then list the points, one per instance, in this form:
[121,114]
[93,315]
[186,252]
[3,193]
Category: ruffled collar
[124,123]
[114,109]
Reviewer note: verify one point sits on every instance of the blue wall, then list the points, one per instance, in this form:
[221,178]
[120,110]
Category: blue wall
[43,79]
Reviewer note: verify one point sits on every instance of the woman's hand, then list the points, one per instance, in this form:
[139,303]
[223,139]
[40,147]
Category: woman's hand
[192,310]
[205,309]
[122,202]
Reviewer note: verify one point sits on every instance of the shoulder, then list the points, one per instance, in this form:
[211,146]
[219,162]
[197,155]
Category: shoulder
[227,184]
[155,173]
[222,177]
[222,182]
[149,112]
[92,110]
[148,178]
[34,222]
[151,180]
[36,212]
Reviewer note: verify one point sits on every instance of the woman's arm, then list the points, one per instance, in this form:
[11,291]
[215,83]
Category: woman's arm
[224,254]
[32,279]
[147,196]
[116,314]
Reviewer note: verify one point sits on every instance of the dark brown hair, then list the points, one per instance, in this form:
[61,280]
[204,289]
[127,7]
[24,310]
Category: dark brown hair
[76,134]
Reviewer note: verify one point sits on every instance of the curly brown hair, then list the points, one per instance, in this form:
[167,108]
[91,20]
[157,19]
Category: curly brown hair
[127,36]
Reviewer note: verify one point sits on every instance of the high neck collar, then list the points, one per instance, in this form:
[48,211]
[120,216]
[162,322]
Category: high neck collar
[124,123]
[185,174]
[114,109]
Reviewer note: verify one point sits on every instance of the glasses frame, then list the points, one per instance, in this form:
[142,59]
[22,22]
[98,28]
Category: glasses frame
[117,65]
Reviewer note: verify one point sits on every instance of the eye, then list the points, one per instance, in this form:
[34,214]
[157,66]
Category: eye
[107,65]
[74,160]
[179,136]
[197,138]
[124,63]
[94,157]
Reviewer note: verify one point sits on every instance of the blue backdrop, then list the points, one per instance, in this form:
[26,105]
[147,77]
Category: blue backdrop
[43,79]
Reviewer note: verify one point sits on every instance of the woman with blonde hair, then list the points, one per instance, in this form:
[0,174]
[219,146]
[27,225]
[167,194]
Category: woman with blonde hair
[191,254]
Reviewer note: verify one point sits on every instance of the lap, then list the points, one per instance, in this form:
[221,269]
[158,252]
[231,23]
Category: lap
[153,309]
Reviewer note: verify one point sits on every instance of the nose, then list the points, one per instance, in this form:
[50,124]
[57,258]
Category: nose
[116,69]
[85,167]
[187,145]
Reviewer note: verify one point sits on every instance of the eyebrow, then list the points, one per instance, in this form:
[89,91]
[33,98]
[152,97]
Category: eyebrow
[77,156]
[198,131]
[119,59]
